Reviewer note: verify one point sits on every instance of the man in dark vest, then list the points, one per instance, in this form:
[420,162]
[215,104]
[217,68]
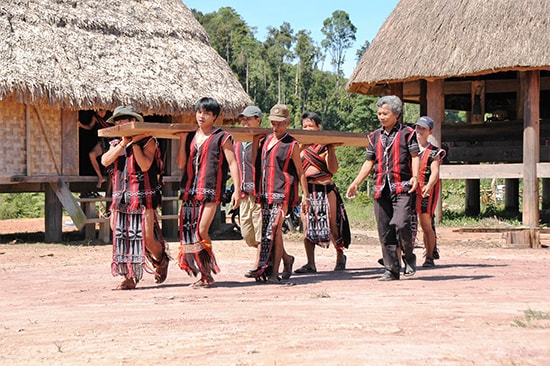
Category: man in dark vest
[392,155]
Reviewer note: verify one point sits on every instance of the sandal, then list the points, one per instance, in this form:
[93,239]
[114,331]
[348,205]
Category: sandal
[288,269]
[305,269]
[127,284]
[250,273]
[341,264]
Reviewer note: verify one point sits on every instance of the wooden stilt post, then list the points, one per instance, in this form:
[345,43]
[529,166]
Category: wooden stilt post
[511,195]
[472,198]
[53,217]
[530,87]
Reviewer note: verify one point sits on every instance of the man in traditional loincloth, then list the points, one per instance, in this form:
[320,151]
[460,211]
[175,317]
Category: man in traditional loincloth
[326,219]
[204,156]
[250,211]
[278,174]
[136,171]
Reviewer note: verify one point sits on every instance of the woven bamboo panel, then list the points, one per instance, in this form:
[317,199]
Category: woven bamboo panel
[12,137]
[45,142]
[170,131]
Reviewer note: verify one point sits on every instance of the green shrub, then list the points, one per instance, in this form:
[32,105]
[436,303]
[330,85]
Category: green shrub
[21,205]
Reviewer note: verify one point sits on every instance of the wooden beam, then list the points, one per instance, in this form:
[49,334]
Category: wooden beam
[436,106]
[65,196]
[53,217]
[473,171]
[171,131]
[530,86]
[28,142]
[397,89]
[490,171]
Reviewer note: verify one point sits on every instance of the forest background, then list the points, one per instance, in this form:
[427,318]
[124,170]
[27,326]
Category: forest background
[290,67]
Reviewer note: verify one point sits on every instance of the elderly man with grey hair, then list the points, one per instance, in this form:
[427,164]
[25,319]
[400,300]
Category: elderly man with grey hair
[392,156]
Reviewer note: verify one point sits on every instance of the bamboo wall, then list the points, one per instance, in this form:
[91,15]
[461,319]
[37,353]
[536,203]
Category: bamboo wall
[31,139]
[13,147]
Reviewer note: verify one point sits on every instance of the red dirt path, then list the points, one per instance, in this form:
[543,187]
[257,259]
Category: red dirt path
[58,308]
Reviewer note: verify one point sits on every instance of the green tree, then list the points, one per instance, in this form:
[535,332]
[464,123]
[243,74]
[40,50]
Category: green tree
[225,28]
[339,34]
[361,50]
[308,55]
[278,45]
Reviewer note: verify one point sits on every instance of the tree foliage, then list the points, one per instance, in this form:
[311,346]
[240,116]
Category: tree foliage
[287,67]
[339,34]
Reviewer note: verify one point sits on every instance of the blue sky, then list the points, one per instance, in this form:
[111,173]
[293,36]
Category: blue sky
[367,15]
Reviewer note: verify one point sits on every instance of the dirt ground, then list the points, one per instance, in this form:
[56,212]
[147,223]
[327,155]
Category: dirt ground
[481,305]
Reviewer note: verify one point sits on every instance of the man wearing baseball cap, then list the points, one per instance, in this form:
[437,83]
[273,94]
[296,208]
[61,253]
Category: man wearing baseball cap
[279,174]
[250,212]
[429,187]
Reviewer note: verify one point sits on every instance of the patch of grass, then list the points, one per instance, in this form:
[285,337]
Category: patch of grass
[360,213]
[487,218]
[533,319]
[21,205]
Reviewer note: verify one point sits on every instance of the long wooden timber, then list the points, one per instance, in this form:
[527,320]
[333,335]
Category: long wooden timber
[490,171]
[172,131]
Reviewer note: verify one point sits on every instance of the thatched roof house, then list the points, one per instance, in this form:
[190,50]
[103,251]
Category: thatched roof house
[102,53]
[440,39]
[59,57]
[485,57]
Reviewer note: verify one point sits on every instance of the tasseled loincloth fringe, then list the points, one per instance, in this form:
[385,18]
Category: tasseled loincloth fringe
[197,258]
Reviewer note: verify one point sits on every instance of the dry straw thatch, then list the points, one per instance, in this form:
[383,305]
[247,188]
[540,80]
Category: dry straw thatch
[440,38]
[81,54]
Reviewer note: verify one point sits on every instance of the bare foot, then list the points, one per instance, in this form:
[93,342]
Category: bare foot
[100,182]
[273,280]
[288,269]
[127,284]
[203,283]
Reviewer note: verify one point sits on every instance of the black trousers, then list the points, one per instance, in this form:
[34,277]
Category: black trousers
[393,220]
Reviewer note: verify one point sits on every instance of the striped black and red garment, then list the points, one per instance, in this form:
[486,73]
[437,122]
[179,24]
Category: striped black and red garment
[277,177]
[203,180]
[134,191]
[427,156]
[195,254]
[312,156]
[243,153]
[133,188]
[391,153]
[206,170]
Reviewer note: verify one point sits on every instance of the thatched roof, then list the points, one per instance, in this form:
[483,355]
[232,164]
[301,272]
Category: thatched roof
[441,38]
[152,54]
